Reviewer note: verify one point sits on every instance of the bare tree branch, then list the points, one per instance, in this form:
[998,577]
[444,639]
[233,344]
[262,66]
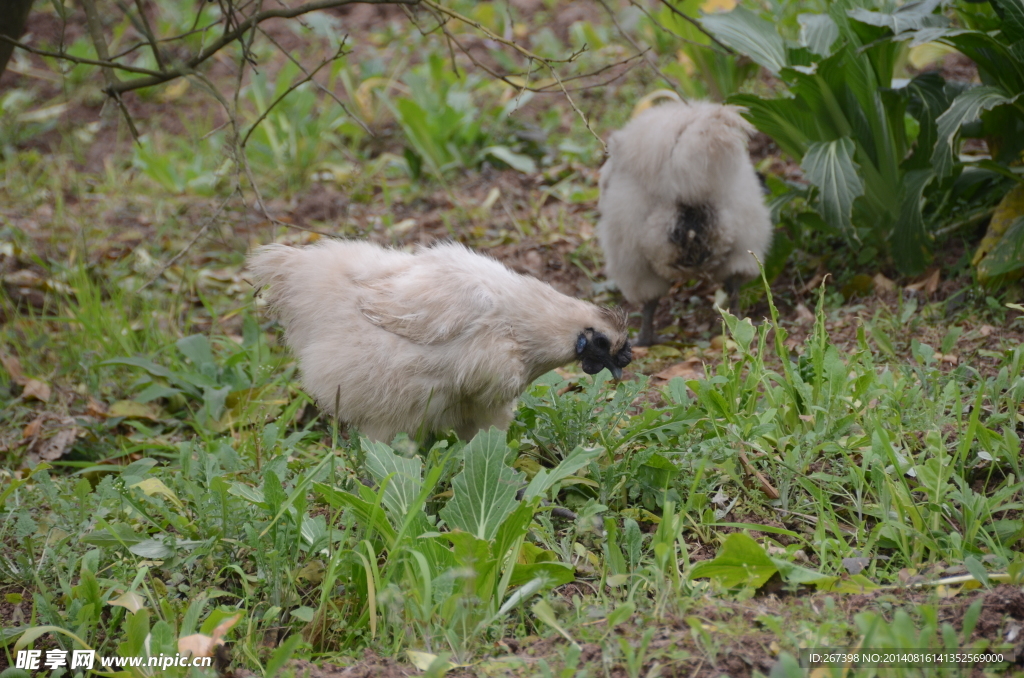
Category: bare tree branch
[693,21]
[64,56]
[649,61]
[294,86]
[230,36]
[99,43]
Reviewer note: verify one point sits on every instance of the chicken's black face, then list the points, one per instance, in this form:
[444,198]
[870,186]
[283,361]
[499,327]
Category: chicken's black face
[594,351]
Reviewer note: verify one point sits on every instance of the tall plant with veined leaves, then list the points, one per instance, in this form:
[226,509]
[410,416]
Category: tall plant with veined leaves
[872,171]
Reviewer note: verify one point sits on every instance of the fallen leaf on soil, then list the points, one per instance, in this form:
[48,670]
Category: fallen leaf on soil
[947,358]
[32,429]
[39,390]
[130,409]
[856,565]
[13,367]
[55,447]
[639,352]
[424,660]
[95,408]
[929,284]
[986,330]
[883,284]
[687,370]
[804,315]
[201,645]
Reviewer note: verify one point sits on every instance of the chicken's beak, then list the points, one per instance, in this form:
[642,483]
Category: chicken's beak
[616,371]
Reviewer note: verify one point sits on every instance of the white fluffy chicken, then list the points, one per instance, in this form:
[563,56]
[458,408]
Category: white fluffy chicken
[419,343]
[680,199]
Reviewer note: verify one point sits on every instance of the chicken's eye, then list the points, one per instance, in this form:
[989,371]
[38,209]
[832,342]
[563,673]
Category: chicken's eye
[581,343]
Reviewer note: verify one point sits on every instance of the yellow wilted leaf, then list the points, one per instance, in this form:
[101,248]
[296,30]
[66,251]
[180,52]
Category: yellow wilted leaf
[928,54]
[130,409]
[129,600]
[650,99]
[153,486]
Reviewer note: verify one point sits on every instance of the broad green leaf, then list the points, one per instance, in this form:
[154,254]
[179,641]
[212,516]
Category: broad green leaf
[749,34]
[542,610]
[372,517]
[545,478]
[485,491]
[148,365]
[787,121]
[197,349]
[911,244]
[620,614]
[965,108]
[911,16]
[741,561]
[550,574]
[1013,19]
[253,495]
[517,161]
[830,167]
[154,549]
[404,477]
[818,32]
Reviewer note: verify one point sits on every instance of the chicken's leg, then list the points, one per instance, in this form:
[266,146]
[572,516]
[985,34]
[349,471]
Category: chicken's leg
[646,336]
[732,288]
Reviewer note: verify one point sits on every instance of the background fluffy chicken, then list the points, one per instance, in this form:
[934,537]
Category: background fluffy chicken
[443,338]
[680,199]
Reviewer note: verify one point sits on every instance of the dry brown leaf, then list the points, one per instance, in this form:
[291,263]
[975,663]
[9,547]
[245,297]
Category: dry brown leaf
[883,284]
[986,330]
[688,369]
[55,447]
[639,352]
[96,408]
[39,390]
[33,428]
[804,315]
[813,283]
[13,367]
[928,285]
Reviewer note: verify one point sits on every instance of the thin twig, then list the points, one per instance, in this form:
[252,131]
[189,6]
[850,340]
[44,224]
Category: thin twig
[294,86]
[650,62]
[64,56]
[568,97]
[230,36]
[92,20]
[696,25]
[316,84]
[141,24]
[193,241]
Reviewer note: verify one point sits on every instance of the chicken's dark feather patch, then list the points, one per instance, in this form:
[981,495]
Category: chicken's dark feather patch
[692,233]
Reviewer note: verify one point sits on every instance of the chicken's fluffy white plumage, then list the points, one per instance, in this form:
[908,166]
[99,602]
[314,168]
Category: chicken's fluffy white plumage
[680,199]
[442,338]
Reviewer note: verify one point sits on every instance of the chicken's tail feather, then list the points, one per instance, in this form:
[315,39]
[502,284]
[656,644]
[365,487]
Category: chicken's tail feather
[722,129]
[270,266]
